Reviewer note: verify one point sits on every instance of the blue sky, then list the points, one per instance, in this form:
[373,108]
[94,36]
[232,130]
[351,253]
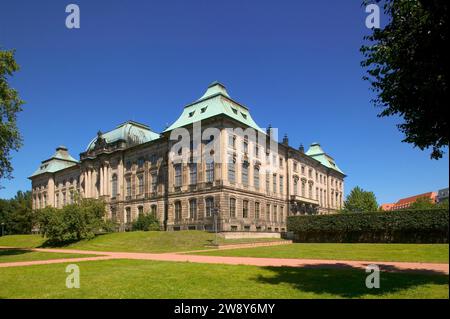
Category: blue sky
[295,64]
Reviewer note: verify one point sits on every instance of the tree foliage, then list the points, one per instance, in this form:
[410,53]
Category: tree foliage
[146,222]
[10,105]
[82,220]
[407,66]
[359,201]
[17,215]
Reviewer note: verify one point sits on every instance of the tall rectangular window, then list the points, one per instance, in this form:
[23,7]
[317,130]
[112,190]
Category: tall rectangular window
[275,213]
[257,210]
[141,184]
[245,174]
[128,185]
[231,141]
[281,184]
[154,182]
[232,208]
[245,209]
[210,172]
[193,208]
[209,204]
[274,183]
[178,175]
[193,174]
[267,182]
[231,170]
[256,177]
[128,215]
[268,212]
[177,210]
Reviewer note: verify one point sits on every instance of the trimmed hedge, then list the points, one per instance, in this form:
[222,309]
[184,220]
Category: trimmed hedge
[411,226]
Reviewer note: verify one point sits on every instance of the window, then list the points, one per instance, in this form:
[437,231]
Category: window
[245,147]
[210,172]
[303,170]
[275,213]
[154,182]
[281,184]
[232,141]
[141,184]
[128,165]
[128,182]
[256,151]
[267,182]
[317,193]
[141,162]
[310,173]
[303,189]
[268,212]
[317,176]
[274,183]
[113,214]
[193,174]
[140,211]
[244,115]
[231,169]
[193,208]
[245,209]
[295,186]
[234,110]
[128,215]
[191,114]
[178,176]
[203,109]
[245,174]
[281,162]
[177,210]
[257,210]
[256,177]
[295,167]
[209,206]
[310,191]
[232,208]
[114,185]
[153,210]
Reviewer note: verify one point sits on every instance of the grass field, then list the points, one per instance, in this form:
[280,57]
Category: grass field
[13,255]
[434,253]
[133,241]
[149,279]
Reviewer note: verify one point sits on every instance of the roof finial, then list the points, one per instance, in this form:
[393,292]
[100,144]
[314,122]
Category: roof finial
[301,148]
[286,140]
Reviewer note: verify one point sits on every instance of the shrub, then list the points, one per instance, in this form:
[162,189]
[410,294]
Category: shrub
[413,226]
[146,222]
[82,220]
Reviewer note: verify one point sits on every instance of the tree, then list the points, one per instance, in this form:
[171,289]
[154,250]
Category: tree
[10,105]
[17,214]
[82,220]
[359,201]
[406,65]
[146,222]
[422,203]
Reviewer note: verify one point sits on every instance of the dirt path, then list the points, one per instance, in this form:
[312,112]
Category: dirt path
[262,262]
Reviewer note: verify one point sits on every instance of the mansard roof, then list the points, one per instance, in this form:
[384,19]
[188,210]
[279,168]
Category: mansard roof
[131,132]
[216,101]
[315,151]
[59,161]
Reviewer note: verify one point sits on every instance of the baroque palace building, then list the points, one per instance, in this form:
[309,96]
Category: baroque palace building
[249,186]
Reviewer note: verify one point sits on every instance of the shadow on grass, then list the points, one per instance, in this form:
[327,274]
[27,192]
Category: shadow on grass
[13,252]
[345,281]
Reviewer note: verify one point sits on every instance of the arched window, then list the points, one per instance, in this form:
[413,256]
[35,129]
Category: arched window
[114,185]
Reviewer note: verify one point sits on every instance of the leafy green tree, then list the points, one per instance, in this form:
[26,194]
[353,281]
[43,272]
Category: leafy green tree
[146,222]
[359,201]
[443,204]
[17,215]
[407,63]
[10,105]
[82,220]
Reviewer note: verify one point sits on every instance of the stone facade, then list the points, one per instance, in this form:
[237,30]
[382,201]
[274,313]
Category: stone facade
[248,187]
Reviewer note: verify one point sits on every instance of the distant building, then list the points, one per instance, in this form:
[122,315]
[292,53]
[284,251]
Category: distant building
[442,195]
[406,202]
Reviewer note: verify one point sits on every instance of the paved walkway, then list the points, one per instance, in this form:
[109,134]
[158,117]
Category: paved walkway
[264,262]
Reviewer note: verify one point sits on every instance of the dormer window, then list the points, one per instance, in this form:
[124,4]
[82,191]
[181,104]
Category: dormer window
[203,109]
[244,115]
[191,114]
[234,110]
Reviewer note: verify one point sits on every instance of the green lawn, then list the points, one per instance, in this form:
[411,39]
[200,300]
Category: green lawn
[13,255]
[435,253]
[151,279]
[133,241]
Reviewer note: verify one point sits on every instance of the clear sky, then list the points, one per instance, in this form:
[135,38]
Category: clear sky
[295,64]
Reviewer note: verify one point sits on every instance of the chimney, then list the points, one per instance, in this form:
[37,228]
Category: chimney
[285,140]
[301,148]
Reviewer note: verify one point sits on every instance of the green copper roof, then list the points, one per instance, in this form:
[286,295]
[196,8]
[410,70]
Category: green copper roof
[216,101]
[59,161]
[316,152]
[131,132]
